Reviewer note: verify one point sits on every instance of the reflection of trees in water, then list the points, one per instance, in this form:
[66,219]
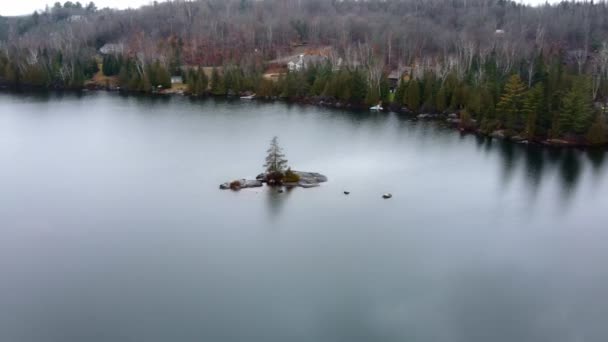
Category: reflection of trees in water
[508,153]
[483,143]
[534,164]
[538,160]
[275,200]
[596,157]
[570,172]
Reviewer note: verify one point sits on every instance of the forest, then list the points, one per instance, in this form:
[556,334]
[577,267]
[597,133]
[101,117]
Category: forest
[533,73]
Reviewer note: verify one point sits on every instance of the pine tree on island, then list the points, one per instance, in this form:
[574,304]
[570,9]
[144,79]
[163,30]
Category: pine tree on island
[276,165]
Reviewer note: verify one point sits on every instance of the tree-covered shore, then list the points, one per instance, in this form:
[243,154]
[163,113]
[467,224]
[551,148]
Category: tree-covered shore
[534,74]
[556,107]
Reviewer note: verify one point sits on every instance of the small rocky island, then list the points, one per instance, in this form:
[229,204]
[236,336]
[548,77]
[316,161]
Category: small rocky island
[277,174]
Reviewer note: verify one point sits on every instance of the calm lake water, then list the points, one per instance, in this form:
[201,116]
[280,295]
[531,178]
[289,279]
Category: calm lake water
[112,228]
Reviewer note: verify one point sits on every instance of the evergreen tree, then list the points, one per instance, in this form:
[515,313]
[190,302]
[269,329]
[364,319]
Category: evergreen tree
[598,131]
[266,89]
[196,80]
[12,74]
[577,110]
[344,84]
[532,109]
[78,78]
[511,102]
[290,86]
[319,85]
[473,103]
[35,75]
[459,96]
[202,82]
[275,159]
[400,92]
[217,83]
[412,96]
[373,96]
[385,90]
[466,122]
[358,87]
[163,77]
[441,100]
[428,94]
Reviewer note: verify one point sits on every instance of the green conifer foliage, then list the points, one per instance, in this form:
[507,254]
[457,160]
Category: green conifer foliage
[510,106]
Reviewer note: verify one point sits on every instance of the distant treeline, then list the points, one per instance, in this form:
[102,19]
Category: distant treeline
[47,70]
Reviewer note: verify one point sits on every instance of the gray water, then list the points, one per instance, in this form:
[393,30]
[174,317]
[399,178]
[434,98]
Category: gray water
[112,227]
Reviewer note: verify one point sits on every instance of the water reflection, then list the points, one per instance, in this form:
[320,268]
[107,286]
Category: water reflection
[570,171]
[537,160]
[275,200]
[509,155]
[596,157]
[534,164]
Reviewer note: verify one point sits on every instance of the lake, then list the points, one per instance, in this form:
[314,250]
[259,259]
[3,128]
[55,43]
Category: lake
[113,227]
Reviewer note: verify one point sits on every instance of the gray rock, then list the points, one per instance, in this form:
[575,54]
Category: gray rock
[307,185]
[242,184]
[307,180]
[387,196]
[347,192]
[498,134]
[251,183]
[310,177]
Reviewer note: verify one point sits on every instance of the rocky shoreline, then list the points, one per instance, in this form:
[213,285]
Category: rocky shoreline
[454,121]
[307,180]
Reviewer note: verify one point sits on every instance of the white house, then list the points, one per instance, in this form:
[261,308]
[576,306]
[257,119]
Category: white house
[177,80]
[303,61]
[297,64]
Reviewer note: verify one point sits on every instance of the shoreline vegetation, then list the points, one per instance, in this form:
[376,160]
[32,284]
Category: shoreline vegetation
[459,120]
[498,68]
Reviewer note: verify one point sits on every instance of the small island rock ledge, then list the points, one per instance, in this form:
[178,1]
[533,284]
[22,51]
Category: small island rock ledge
[307,180]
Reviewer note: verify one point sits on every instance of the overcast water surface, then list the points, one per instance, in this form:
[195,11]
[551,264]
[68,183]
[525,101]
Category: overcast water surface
[112,228]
